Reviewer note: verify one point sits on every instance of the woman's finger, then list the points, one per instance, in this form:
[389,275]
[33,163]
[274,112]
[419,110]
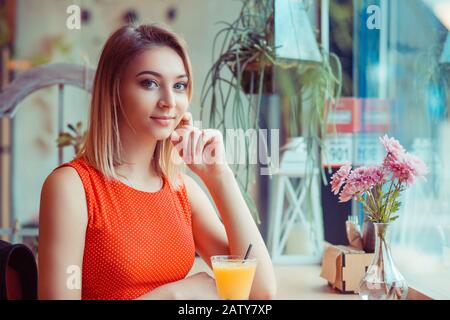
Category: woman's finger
[175,137]
[206,137]
[186,120]
[199,146]
[211,145]
[184,143]
[194,140]
[180,134]
[182,128]
[179,139]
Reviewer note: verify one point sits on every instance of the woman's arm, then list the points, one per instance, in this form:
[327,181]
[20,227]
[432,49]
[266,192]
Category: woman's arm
[235,234]
[199,286]
[242,230]
[62,228]
[210,236]
[204,153]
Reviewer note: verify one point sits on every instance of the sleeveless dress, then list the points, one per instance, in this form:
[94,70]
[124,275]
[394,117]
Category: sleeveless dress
[135,241]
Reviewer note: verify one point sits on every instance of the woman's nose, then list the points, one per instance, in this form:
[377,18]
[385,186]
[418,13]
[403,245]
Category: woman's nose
[167,100]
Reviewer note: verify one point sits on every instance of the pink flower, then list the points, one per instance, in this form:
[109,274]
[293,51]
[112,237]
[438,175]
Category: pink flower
[398,164]
[372,175]
[351,190]
[403,166]
[338,179]
[362,180]
[392,146]
[406,168]
[419,167]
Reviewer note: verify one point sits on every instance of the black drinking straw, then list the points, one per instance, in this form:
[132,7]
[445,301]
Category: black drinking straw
[248,252]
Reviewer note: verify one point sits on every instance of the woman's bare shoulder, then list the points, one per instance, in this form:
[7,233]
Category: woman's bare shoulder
[63,190]
[64,177]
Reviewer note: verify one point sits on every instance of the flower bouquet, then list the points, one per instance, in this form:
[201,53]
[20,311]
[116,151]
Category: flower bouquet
[378,189]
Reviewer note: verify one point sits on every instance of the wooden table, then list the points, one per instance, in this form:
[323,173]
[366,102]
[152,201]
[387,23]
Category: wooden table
[299,282]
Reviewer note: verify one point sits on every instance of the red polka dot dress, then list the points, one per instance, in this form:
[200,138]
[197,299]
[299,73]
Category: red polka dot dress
[135,241]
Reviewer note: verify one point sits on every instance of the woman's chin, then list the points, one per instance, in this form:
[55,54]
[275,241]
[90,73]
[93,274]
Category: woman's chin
[160,135]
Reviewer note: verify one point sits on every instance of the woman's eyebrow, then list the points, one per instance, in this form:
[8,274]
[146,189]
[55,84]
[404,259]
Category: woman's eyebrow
[157,74]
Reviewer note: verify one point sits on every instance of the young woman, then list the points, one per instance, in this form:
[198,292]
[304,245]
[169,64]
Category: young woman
[122,216]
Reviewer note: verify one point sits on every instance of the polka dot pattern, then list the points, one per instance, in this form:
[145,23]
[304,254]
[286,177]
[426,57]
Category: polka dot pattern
[135,241]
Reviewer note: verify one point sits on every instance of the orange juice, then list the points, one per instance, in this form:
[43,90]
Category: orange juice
[234,276]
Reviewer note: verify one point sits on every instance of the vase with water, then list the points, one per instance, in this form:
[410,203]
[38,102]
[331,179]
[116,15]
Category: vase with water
[383,281]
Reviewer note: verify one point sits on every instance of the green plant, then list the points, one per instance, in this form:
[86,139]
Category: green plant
[247,69]
[75,137]
[52,48]
[313,89]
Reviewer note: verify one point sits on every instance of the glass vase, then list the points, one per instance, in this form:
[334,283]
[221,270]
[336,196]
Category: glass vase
[382,280]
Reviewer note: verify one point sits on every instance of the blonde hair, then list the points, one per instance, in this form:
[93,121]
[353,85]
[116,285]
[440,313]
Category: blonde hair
[102,147]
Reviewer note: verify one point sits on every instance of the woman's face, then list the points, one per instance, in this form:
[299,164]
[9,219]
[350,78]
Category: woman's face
[153,92]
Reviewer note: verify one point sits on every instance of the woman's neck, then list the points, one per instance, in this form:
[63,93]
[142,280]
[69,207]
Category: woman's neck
[137,154]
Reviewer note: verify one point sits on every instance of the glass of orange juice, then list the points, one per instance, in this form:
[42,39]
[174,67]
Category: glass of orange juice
[234,276]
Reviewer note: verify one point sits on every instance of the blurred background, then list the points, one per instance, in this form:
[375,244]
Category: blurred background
[325,78]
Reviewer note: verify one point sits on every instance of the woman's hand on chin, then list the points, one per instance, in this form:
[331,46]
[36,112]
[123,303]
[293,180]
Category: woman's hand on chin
[202,150]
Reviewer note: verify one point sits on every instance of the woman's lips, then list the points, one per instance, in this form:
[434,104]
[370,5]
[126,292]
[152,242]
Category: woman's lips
[163,121]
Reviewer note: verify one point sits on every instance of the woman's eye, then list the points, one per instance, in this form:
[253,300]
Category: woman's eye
[180,86]
[150,84]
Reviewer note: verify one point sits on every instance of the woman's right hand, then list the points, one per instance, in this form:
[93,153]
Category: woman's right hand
[199,286]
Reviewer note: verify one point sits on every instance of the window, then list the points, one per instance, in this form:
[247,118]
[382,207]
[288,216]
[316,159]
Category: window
[405,61]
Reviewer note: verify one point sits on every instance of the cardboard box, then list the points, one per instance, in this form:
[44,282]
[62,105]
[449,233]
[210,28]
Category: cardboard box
[344,267]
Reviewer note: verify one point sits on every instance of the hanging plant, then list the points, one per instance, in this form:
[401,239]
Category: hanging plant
[247,68]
